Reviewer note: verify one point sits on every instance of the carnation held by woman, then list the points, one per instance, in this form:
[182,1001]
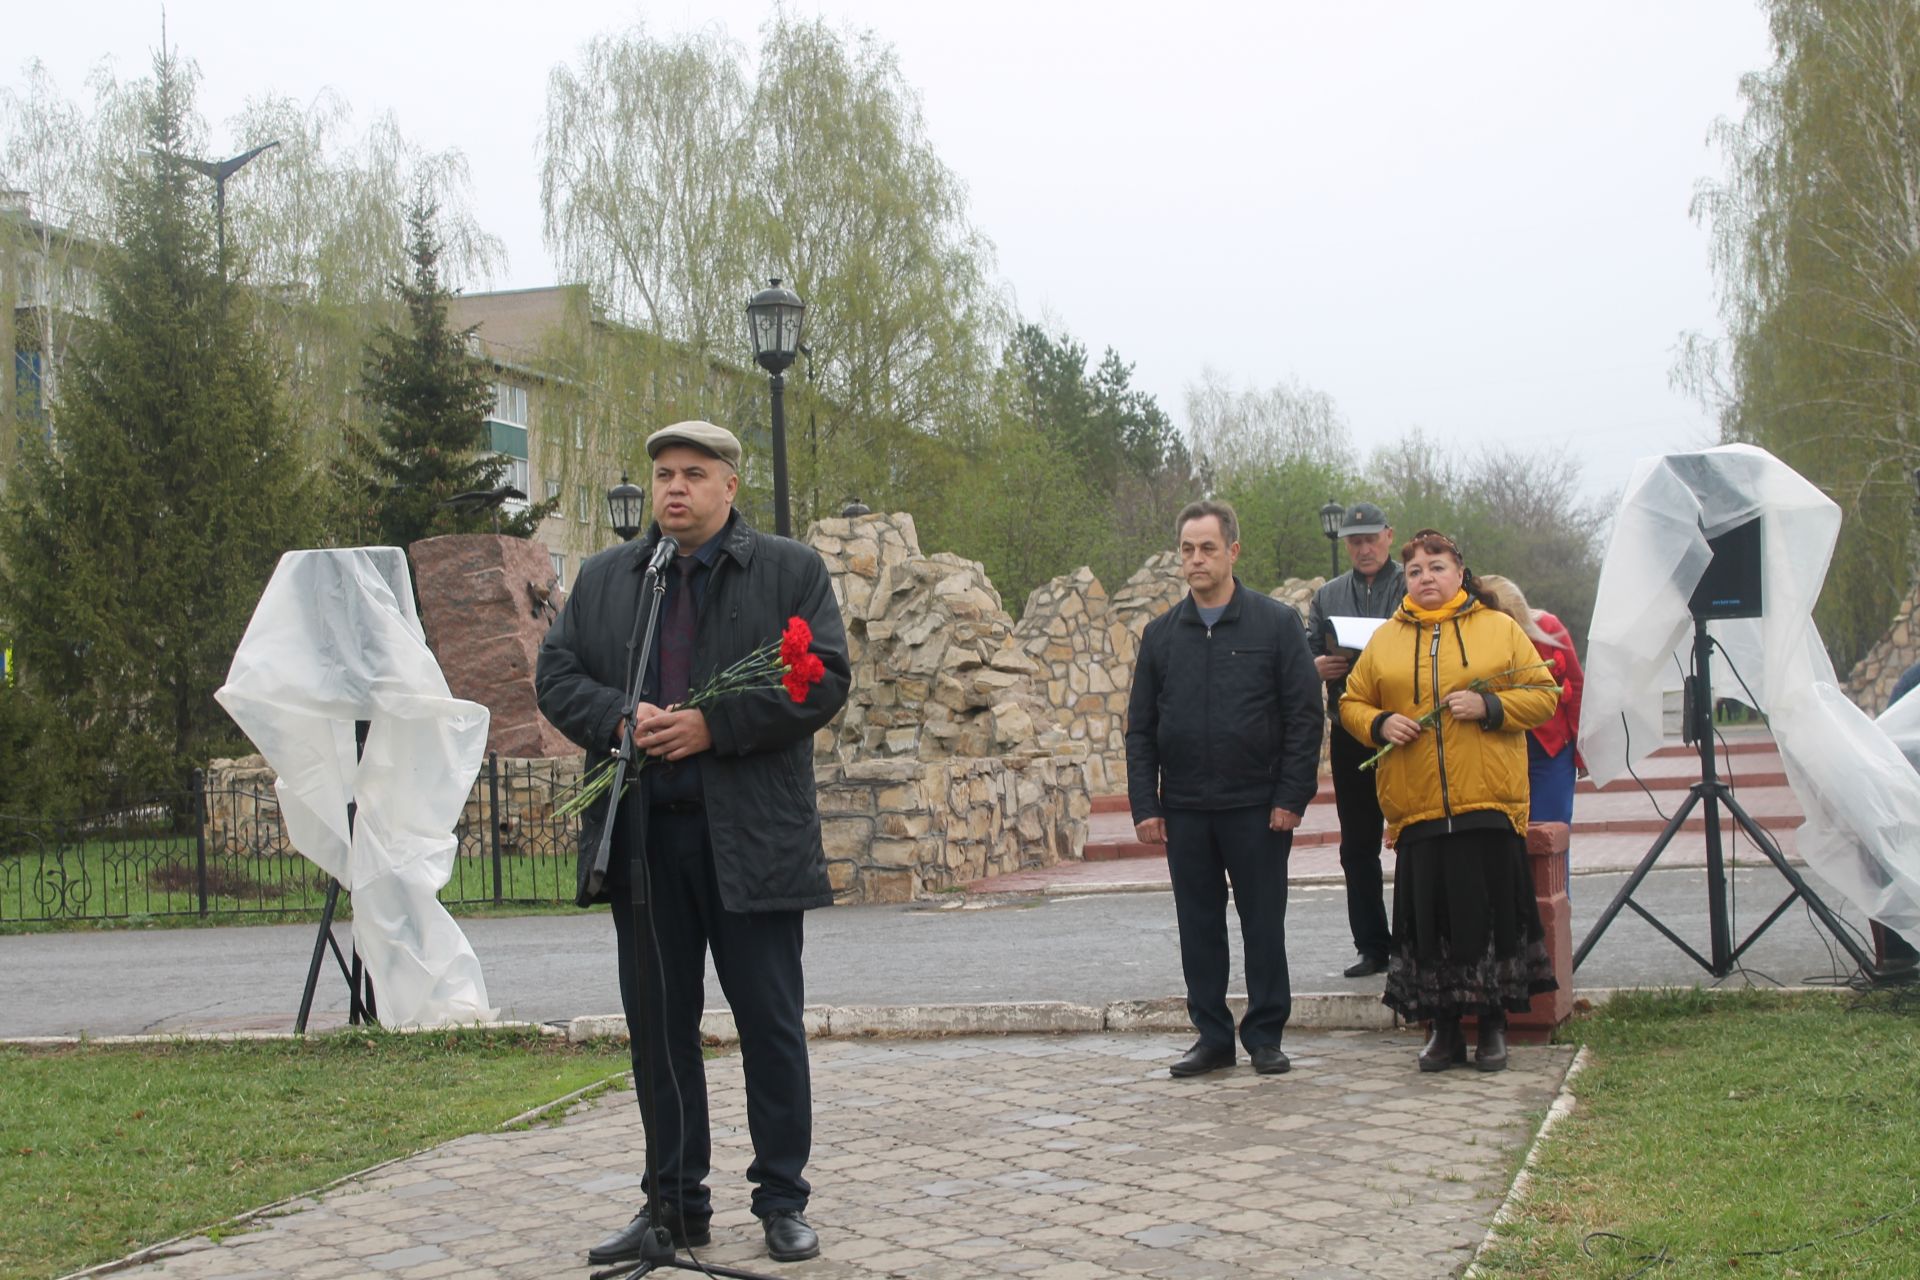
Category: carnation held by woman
[1448,687]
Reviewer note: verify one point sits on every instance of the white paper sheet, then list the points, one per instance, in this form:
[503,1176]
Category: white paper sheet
[1353,633]
[335,639]
[1860,794]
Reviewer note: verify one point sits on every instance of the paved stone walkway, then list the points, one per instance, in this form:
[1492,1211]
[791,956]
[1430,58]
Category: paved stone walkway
[1068,1157]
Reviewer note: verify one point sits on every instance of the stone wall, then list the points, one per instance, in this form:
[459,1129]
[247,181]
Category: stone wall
[936,674]
[896,829]
[1085,642]
[1871,681]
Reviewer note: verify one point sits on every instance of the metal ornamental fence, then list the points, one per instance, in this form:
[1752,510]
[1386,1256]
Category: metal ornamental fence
[223,850]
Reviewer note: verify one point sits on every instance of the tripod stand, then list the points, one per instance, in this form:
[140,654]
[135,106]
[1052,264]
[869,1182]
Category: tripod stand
[1710,791]
[360,1006]
[656,1249]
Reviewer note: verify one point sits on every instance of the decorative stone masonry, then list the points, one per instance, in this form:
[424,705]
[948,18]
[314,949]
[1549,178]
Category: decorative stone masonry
[243,813]
[1086,643]
[1871,681]
[935,672]
[895,829]
[485,604]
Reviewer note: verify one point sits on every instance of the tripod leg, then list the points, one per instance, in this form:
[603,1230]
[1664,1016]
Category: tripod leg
[320,941]
[1792,876]
[1620,899]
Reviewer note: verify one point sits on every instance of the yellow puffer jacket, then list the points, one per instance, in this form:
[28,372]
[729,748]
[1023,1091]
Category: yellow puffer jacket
[1455,766]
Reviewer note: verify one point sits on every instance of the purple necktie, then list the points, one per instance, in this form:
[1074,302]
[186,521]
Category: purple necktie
[676,636]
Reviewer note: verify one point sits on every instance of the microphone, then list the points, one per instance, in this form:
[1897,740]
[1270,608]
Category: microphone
[663,553]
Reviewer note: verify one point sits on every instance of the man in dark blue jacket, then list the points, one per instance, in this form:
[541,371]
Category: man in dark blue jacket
[726,804]
[1223,754]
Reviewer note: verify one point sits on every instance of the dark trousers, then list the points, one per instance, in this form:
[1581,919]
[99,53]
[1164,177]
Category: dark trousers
[1361,827]
[757,958]
[1207,848]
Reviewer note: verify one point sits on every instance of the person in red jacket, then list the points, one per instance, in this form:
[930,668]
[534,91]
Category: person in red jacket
[1553,749]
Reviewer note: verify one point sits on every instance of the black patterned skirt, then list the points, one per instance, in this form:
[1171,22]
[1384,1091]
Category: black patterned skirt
[1467,937]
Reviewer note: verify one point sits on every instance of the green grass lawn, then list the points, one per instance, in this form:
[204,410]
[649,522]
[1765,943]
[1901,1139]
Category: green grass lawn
[103,1150]
[1735,1134]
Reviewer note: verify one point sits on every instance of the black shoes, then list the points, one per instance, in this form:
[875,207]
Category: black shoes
[625,1244]
[1491,1053]
[1445,1047]
[1365,967]
[1268,1060]
[789,1238]
[1201,1059]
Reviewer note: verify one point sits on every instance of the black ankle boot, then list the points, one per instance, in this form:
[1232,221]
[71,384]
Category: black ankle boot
[1444,1046]
[1491,1053]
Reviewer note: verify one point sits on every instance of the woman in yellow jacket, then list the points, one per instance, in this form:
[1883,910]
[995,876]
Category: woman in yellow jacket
[1450,686]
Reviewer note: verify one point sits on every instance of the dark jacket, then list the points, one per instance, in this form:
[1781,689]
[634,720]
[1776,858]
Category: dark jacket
[1223,717]
[758,775]
[1349,597]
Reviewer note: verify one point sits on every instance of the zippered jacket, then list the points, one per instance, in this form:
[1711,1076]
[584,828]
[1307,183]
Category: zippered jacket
[762,817]
[1458,773]
[1223,717]
[1348,596]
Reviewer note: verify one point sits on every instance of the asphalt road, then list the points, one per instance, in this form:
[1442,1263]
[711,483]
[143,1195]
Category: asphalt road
[1091,949]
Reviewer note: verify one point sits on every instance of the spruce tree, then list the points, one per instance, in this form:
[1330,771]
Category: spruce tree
[140,531]
[429,397]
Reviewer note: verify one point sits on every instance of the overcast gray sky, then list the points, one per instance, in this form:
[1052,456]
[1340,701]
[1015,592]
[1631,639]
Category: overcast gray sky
[1467,217]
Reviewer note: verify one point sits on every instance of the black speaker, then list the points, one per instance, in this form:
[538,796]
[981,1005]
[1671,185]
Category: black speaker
[1730,588]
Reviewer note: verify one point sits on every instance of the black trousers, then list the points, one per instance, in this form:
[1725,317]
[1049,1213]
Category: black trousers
[757,958]
[1207,848]
[1361,828]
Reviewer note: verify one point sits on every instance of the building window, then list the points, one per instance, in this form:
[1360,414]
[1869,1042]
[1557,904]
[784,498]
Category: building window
[510,404]
[559,570]
[579,430]
[586,505]
[553,490]
[516,475]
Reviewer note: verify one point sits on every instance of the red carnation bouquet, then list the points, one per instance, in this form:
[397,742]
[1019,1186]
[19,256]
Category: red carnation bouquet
[789,663]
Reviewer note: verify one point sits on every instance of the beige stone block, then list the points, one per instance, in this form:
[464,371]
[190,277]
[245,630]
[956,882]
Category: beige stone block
[901,742]
[845,800]
[841,875]
[904,824]
[880,885]
[893,853]
[846,837]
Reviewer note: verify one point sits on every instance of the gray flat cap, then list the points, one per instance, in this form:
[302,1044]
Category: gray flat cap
[718,441]
[1361,518]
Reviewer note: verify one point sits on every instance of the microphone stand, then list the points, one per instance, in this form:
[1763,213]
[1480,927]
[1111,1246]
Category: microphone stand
[656,1250]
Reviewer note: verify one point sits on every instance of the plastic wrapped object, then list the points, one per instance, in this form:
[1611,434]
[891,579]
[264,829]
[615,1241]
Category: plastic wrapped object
[334,640]
[1859,792]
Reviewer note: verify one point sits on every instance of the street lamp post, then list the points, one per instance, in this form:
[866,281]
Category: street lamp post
[1330,517]
[774,316]
[624,504]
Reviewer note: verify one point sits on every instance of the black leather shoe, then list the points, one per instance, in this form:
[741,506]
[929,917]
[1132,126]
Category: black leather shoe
[1201,1059]
[789,1238]
[1269,1060]
[1491,1053]
[1445,1047]
[1365,967]
[625,1244]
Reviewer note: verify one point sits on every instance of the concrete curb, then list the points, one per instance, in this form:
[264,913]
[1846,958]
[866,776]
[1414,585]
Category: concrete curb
[1560,1109]
[1322,1011]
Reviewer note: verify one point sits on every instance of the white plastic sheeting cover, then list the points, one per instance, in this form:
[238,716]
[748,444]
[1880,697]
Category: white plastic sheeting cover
[335,639]
[1860,794]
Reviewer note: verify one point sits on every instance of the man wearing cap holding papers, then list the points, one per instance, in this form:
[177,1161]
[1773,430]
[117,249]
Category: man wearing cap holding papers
[1370,591]
[727,804]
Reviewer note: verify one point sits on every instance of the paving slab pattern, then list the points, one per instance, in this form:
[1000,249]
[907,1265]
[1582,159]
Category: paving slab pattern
[1069,1157]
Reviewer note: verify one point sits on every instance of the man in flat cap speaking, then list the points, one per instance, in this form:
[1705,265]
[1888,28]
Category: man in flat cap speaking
[732,830]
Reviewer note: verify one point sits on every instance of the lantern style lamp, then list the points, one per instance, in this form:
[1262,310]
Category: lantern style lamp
[625,502]
[1330,517]
[774,317]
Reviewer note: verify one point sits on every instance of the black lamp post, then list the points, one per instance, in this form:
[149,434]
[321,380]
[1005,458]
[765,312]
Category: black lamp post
[624,504]
[1330,517]
[774,316]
